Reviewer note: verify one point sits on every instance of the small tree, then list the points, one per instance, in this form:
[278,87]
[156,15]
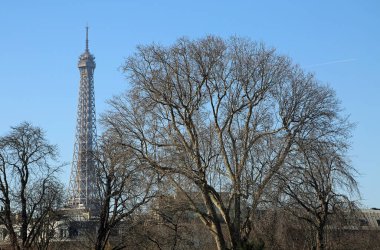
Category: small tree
[124,187]
[29,190]
[319,184]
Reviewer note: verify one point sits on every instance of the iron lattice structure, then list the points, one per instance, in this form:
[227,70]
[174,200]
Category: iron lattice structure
[82,186]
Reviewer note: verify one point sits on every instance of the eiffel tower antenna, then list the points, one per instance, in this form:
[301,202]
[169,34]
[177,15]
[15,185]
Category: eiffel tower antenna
[87,38]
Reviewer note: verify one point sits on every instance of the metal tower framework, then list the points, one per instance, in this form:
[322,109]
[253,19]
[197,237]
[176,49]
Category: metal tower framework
[82,187]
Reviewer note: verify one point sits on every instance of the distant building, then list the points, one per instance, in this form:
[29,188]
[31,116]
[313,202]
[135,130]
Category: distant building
[370,219]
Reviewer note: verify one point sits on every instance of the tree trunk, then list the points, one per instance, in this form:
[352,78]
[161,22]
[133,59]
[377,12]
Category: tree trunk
[14,240]
[9,224]
[320,239]
[236,237]
[215,224]
[103,230]
[218,237]
[24,215]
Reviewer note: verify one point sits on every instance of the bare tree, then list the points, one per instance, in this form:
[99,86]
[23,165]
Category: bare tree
[124,187]
[29,190]
[218,118]
[319,187]
[48,208]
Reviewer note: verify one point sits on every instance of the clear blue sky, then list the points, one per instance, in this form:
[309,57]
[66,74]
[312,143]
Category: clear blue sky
[40,42]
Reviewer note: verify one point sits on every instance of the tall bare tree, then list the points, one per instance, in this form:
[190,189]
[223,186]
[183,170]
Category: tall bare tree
[218,118]
[29,190]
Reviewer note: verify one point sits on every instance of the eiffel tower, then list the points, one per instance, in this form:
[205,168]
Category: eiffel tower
[82,186]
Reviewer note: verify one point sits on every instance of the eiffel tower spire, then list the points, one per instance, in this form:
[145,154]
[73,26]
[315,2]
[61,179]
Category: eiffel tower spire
[86,38]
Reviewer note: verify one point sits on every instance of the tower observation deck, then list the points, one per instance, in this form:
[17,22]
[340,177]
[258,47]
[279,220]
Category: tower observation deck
[82,186]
